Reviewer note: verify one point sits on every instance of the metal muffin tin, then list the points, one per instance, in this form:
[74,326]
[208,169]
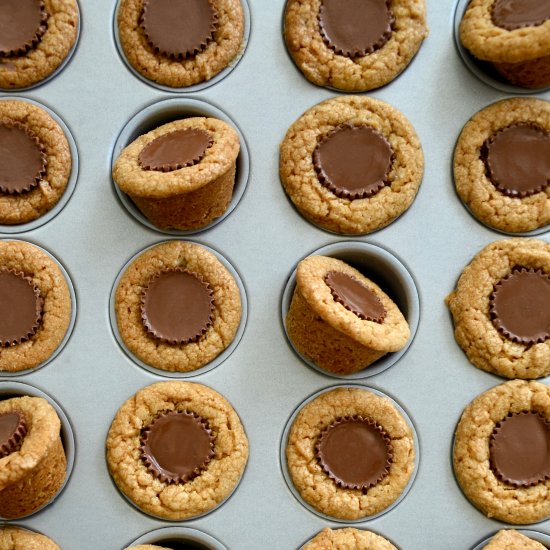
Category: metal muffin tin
[263,238]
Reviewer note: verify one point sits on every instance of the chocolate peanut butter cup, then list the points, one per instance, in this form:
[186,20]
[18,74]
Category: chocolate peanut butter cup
[355,28]
[520,306]
[353,162]
[21,308]
[520,449]
[177,446]
[355,297]
[13,429]
[178,29]
[517,159]
[355,452]
[22,25]
[23,161]
[175,150]
[517,14]
[177,306]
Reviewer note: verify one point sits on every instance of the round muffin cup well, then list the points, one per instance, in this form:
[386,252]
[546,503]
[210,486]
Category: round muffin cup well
[537,536]
[174,536]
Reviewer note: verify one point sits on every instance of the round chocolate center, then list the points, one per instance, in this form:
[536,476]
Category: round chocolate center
[518,159]
[177,307]
[355,28]
[22,23]
[22,161]
[175,150]
[514,14]
[353,161]
[520,306]
[20,308]
[177,446]
[354,452]
[178,28]
[520,449]
[12,432]
[355,296]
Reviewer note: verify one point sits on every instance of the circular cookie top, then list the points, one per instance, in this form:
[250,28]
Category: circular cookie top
[14,538]
[13,429]
[178,29]
[184,408]
[509,539]
[336,539]
[357,129]
[511,343]
[517,14]
[22,24]
[501,452]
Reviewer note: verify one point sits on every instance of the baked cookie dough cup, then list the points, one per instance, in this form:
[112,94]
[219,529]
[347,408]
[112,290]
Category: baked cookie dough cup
[37,307]
[32,459]
[502,165]
[320,448]
[36,38]
[341,320]
[183,481]
[510,539]
[513,37]
[15,538]
[181,175]
[348,539]
[500,453]
[501,309]
[354,46]
[36,165]
[178,307]
[180,44]
[351,165]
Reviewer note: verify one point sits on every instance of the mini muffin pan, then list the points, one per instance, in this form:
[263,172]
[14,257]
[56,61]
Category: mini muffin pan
[417,260]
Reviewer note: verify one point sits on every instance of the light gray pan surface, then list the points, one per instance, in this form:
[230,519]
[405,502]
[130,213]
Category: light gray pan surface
[263,238]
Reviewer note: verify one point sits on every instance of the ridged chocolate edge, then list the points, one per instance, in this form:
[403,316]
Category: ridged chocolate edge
[15,441]
[537,23]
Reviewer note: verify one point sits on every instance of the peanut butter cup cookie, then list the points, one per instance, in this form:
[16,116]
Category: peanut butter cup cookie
[36,162]
[14,538]
[508,539]
[341,320]
[177,306]
[354,45]
[348,539]
[350,453]
[36,36]
[35,303]
[501,309]
[181,175]
[501,452]
[502,165]
[178,43]
[512,35]
[182,480]
[352,164]
[32,459]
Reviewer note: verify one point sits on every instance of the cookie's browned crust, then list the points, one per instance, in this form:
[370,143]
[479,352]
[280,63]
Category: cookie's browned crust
[317,203]
[324,67]
[330,335]
[190,197]
[226,315]
[20,71]
[508,539]
[348,539]
[32,476]
[486,202]
[315,486]
[56,310]
[469,304]
[217,55]
[183,500]
[496,499]
[14,538]
[25,207]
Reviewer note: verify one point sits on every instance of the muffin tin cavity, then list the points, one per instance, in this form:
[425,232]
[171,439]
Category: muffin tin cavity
[217,360]
[196,87]
[9,390]
[169,110]
[179,538]
[71,184]
[543,538]
[386,270]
